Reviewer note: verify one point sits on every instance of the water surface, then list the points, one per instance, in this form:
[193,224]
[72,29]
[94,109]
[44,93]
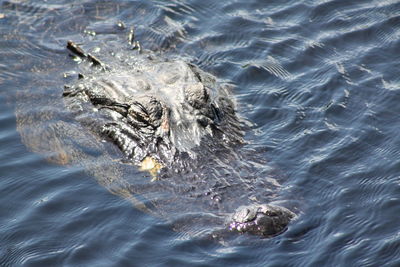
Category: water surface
[318,80]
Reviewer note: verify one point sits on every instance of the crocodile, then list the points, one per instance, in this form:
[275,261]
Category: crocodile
[166,117]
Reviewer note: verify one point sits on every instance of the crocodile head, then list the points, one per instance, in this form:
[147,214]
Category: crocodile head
[163,113]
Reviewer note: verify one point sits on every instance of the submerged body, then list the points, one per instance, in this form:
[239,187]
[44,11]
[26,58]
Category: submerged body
[170,118]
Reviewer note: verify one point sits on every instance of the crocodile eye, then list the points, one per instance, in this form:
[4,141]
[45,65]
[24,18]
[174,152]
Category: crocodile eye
[197,95]
[145,110]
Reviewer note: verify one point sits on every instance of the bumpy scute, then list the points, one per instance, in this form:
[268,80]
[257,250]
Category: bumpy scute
[159,112]
[264,219]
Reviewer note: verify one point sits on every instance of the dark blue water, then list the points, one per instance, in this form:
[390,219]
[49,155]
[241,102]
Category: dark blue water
[319,81]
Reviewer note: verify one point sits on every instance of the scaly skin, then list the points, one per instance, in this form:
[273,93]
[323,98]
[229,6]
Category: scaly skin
[157,112]
[165,116]
[157,109]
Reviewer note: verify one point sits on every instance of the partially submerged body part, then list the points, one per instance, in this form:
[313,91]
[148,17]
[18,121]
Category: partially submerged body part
[158,109]
[161,113]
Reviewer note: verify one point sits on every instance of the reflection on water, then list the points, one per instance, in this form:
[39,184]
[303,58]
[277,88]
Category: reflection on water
[317,80]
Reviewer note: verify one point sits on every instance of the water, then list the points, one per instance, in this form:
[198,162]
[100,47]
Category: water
[319,80]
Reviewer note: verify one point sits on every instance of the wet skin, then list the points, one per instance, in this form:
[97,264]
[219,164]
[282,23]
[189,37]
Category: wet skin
[158,112]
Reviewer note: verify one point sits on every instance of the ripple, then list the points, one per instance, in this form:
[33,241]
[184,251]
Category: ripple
[318,81]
